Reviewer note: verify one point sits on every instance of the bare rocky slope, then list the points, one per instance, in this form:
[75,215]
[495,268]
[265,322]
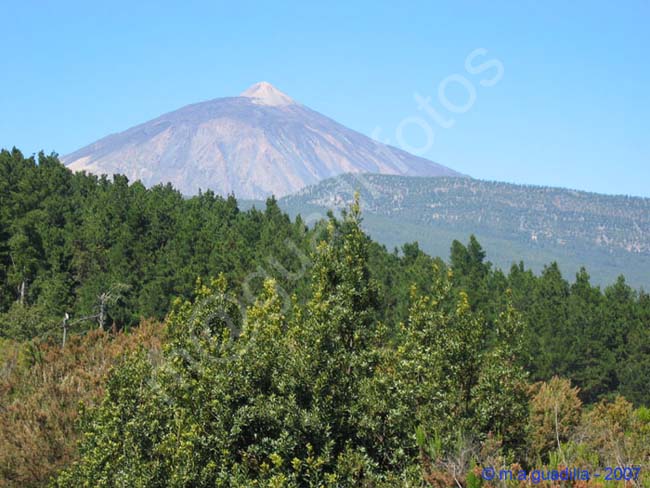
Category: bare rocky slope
[254,145]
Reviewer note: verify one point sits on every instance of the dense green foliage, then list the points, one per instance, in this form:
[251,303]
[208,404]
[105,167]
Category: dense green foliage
[303,356]
[322,397]
[74,242]
[71,242]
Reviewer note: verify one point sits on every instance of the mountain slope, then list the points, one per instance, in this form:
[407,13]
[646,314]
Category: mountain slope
[610,235]
[254,145]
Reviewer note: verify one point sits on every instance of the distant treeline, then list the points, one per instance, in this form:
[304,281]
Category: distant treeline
[112,252]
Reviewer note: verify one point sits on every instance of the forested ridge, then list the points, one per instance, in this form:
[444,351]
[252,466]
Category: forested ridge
[292,355]
[607,233]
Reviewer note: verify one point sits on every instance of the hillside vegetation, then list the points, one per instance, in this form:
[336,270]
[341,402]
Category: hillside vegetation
[608,234]
[292,355]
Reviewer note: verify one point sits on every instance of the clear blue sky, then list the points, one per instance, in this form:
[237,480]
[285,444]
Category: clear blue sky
[570,110]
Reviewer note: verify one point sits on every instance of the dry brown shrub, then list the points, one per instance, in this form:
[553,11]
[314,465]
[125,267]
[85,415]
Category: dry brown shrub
[41,389]
[555,410]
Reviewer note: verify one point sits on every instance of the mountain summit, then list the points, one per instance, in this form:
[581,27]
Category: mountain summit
[254,145]
[263,93]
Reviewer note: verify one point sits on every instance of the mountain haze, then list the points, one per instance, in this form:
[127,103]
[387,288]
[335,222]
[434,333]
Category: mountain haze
[254,145]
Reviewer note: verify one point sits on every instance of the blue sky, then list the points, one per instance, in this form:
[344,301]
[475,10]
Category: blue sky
[570,108]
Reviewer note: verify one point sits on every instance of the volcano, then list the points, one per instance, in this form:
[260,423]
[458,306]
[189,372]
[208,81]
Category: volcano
[259,143]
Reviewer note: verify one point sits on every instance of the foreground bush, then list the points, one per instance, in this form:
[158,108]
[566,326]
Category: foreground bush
[321,394]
